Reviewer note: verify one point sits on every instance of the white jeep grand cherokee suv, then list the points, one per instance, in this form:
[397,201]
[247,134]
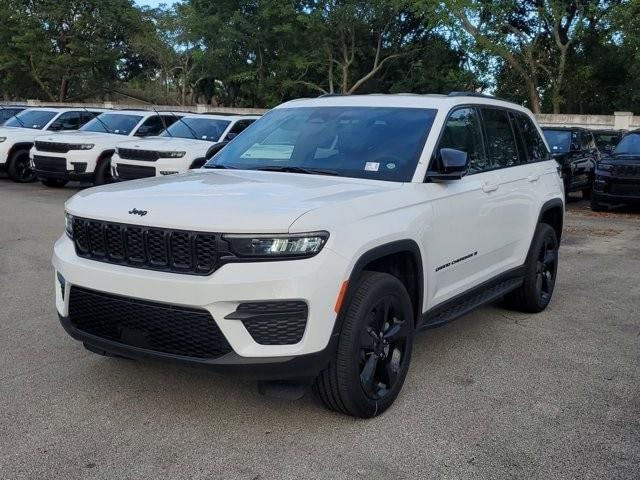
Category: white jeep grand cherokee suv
[85,155]
[18,133]
[318,242]
[185,145]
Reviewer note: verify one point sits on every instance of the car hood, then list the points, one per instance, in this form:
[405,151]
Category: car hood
[82,137]
[165,143]
[17,134]
[232,201]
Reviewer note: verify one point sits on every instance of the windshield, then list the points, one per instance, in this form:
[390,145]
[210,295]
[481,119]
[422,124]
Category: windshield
[629,145]
[36,119]
[559,140]
[117,123]
[209,129]
[7,113]
[605,139]
[360,142]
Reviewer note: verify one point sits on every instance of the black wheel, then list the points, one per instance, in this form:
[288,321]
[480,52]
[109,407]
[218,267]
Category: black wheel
[103,172]
[596,206]
[586,194]
[374,349]
[540,277]
[53,182]
[19,167]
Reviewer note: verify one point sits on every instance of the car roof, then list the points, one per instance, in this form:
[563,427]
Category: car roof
[65,109]
[218,116]
[567,129]
[405,100]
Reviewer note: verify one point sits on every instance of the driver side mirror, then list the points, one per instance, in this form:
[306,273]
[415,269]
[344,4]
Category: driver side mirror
[454,164]
[230,136]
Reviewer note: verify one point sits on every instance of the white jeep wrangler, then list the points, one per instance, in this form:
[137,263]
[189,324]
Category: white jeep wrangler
[318,242]
[185,145]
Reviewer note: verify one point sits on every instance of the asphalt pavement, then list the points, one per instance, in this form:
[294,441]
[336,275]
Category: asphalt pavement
[494,395]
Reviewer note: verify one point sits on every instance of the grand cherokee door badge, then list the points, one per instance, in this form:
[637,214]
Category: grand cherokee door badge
[457,260]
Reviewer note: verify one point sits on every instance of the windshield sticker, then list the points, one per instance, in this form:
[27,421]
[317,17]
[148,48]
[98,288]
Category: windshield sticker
[372,167]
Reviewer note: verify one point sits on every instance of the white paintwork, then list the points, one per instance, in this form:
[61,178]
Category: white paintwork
[448,220]
[15,135]
[193,148]
[103,142]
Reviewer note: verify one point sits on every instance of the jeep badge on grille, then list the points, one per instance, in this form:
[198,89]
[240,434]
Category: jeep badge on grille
[135,211]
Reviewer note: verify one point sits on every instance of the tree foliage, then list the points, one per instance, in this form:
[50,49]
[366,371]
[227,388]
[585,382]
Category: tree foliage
[552,55]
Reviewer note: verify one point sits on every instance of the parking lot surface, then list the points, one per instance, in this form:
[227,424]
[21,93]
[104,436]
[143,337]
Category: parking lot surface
[496,394]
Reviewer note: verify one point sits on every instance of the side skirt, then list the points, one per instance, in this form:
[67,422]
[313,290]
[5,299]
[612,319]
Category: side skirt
[478,296]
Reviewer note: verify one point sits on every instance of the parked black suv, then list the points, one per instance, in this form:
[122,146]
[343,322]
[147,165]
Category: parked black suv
[8,111]
[617,176]
[606,140]
[575,150]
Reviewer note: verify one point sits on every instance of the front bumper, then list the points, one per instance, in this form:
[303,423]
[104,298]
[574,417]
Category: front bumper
[220,294]
[77,165]
[125,169]
[612,189]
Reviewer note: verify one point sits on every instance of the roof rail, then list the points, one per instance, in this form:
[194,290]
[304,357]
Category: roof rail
[469,94]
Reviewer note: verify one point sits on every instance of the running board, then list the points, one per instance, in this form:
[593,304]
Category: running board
[466,302]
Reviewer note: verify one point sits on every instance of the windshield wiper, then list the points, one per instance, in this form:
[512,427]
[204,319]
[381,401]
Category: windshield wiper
[291,169]
[219,166]
[104,125]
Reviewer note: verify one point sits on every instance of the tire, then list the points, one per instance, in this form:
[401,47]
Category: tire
[540,277]
[53,182]
[103,172]
[586,194]
[373,354]
[19,168]
[596,206]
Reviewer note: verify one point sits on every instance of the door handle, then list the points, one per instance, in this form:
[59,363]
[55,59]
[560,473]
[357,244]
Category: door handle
[489,187]
[534,177]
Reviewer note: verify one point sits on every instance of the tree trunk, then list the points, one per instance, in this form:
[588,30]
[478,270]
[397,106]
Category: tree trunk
[64,87]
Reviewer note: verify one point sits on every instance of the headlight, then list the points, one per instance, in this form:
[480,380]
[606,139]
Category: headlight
[68,225]
[2,139]
[85,146]
[171,154]
[277,246]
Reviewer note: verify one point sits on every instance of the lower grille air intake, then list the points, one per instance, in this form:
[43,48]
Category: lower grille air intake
[157,327]
[273,322]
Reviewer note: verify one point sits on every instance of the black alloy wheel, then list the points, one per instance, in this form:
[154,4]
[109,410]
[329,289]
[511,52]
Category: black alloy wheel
[20,167]
[374,348]
[382,346]
[546,268]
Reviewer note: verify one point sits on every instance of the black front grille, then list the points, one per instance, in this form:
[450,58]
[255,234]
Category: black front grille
[179,251]
[632,190]
[50,164]
[135,154]
[133,172]
[52,147]
[626,170]
[273,322]
[157,327]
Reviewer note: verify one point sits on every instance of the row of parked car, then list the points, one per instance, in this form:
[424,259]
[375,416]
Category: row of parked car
[602,164]
[57,145]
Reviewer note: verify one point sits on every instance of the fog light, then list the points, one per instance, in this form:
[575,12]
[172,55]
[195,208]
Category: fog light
[165,172]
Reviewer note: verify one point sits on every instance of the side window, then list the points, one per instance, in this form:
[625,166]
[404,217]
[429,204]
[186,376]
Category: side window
[151,126]
[67,121]
[534,145]
[240,126]
[501,143]
[463,132]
